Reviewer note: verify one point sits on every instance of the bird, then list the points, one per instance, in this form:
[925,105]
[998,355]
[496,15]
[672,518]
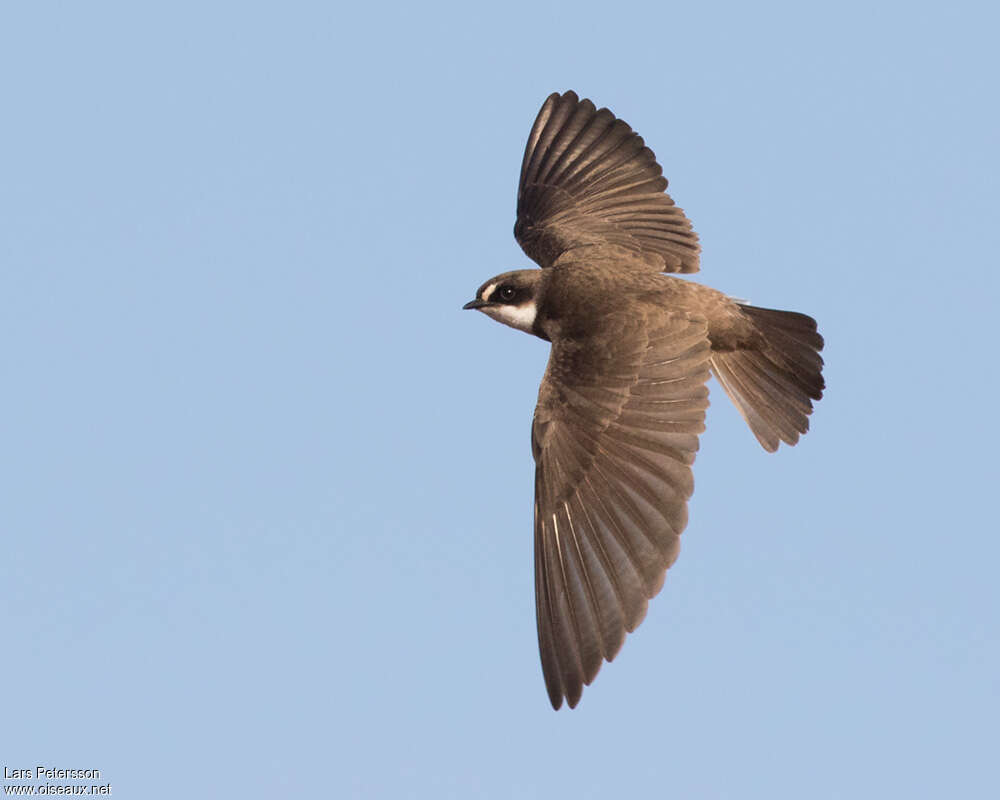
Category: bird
[623,397]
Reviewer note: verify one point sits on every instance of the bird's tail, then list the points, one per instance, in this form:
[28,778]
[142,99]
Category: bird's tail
[774,381]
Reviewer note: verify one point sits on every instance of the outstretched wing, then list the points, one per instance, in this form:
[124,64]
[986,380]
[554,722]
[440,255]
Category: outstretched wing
[587,179]
[614,436]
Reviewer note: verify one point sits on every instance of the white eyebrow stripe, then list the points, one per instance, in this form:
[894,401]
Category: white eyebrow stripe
[487,292]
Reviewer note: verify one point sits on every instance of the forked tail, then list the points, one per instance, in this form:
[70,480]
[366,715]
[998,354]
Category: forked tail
[774,381]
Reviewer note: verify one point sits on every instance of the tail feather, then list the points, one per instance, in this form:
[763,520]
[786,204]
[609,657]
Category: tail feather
[774,380]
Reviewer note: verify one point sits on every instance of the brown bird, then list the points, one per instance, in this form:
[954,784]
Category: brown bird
[623,398]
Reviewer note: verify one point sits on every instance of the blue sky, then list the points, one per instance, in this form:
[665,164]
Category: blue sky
[265,492]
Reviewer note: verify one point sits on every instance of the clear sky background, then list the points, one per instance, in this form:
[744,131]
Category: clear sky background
[266,492]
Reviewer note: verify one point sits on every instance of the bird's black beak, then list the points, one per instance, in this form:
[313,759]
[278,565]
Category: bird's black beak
[474,304]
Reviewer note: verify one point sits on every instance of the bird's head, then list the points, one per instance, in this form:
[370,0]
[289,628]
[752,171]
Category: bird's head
[510,298]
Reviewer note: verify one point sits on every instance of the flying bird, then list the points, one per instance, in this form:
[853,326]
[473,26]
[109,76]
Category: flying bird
[623,397]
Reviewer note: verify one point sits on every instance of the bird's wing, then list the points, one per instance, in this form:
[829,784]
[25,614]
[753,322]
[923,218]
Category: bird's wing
[587,179]
[614,436]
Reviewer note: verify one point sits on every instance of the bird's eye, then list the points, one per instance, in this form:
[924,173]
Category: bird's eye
[506,292]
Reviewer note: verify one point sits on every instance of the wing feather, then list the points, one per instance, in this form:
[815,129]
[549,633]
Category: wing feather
[587,179]
[614,436]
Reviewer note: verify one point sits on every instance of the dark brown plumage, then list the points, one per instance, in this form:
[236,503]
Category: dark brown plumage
[587,178]
[623,398]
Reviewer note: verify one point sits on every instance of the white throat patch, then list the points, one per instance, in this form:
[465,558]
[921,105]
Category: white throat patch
[521,317]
